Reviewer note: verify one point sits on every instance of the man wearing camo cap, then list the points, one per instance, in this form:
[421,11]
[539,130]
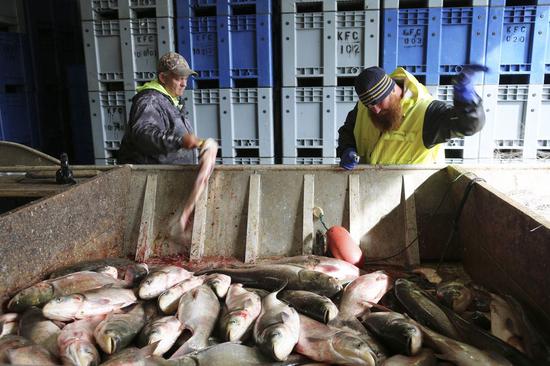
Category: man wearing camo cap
[158,131]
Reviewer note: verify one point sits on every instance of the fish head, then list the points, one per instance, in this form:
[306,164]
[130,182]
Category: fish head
[35,295]
[278,343]
[109,340]
[318,280]
[236,327]
[63,308]
[219,283]
[150,286]
[330,311]
[411,334]
[353,348]
[81,353]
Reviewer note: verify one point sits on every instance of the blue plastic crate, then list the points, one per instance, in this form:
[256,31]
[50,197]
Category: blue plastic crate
[228,48]
[12,59]
[195,8]
[18,119]
[434,42]
[517,39]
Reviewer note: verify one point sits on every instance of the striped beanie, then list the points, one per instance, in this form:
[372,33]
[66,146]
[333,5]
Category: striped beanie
[372,85]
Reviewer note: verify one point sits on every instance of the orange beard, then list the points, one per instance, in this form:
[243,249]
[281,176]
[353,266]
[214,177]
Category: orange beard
[389,119]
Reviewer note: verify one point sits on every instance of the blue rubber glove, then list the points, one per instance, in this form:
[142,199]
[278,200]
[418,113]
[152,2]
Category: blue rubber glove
[349,159]
[464,83]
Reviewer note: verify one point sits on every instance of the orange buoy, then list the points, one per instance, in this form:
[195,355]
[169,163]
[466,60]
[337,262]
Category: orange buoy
[342,246]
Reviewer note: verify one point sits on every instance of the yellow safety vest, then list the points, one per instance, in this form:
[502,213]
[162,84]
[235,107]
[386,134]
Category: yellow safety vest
[405,145]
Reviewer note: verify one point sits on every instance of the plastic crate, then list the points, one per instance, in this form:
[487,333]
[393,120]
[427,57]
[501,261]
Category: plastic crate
[543,130]
[326,46]
[18,119]
[228,49]
[461,149]
[109,116]
[512,115]
[434,42]
[125,9]
[200,8]
[241,120]
[13,49]
[311,118]
[297,6]
[125,50]
[517,40]
[79,113]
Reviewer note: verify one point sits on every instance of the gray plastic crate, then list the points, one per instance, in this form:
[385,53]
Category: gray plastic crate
[240,119]
[124,9]
[512,115]
[109,116]
[311,118]
[125,50]
[328,45]
[294,6]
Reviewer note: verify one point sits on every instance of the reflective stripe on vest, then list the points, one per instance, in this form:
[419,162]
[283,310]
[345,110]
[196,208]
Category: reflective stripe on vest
[405,145]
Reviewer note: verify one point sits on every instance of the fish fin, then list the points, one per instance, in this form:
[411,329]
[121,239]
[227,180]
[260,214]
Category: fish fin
[284,316]
[149,349]
[379,307]
[247,303]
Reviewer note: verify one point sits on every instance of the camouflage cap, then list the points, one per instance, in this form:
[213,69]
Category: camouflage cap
[174,62]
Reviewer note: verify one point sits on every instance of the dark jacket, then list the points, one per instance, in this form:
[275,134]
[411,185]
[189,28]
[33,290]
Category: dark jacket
[154,132]
[442,122]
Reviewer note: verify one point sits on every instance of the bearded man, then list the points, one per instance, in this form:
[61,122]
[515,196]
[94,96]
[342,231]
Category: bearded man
[397,121]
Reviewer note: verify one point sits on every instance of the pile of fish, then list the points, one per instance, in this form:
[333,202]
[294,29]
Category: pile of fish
[290,311]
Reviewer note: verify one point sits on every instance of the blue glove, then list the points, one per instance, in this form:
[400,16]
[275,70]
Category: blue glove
[349,159]
[464,84]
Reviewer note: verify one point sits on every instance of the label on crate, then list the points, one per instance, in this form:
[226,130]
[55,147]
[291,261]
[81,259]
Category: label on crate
[412,37]
[516,33]
[204,44]
[349,42]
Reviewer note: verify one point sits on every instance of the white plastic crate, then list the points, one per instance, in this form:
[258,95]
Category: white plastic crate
[124,9]
[512,116]
[311,118]
[328,45]
[241,120]
[125,50]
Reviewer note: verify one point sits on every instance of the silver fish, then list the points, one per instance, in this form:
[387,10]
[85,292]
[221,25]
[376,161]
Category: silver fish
[161,279]
[163,331]
[95,302]
[241,309]
[168,300]
[198,311]
[40,330]
[118,330]
[318,307]
[277,328]
[77,344]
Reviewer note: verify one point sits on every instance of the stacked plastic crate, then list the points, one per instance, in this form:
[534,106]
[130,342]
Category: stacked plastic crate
[517,92]
[432,41]
[325,44]
[123,40]
[17,111]
[228,43]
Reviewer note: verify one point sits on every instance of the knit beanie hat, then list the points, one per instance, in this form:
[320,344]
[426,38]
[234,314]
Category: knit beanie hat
[372,85]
